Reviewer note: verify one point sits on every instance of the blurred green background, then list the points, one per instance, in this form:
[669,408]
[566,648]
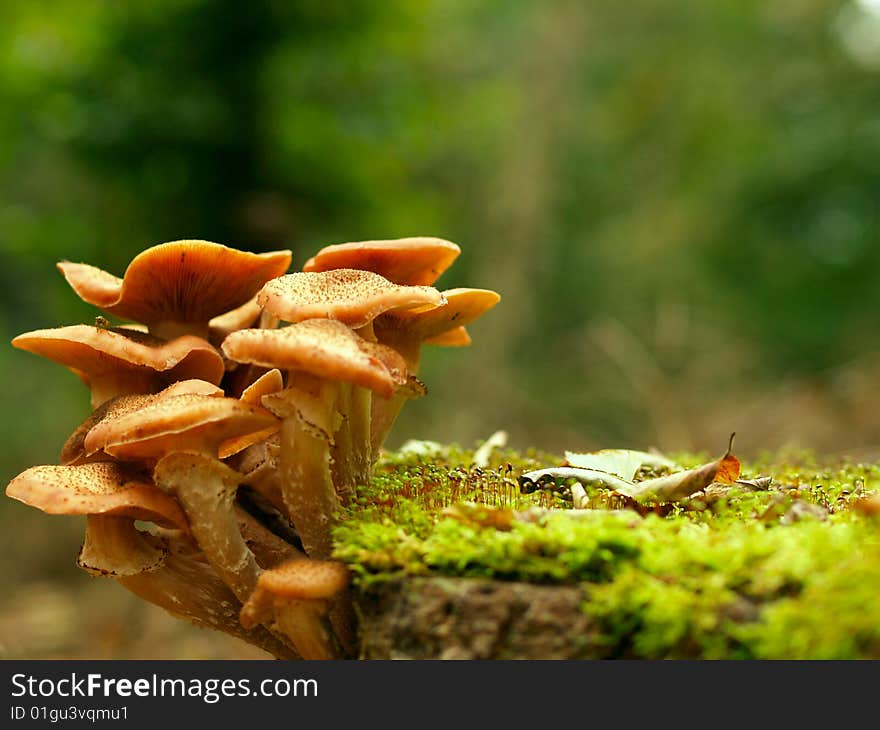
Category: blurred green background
[678,202]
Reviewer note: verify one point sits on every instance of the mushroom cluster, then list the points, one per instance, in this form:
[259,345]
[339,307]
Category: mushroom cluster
[233,412]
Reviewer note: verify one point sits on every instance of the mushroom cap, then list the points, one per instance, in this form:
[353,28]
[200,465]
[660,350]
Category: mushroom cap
[457,337]
[409,261]
[462,307]
[180,281]
[95,352]
[73,451]
[349,295]
[235,319]
[325,348]
[196,423]
[305,580]
[114,547]
[269,382]
[105,488]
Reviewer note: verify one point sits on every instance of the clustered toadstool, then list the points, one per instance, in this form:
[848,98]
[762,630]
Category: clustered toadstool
[233,411]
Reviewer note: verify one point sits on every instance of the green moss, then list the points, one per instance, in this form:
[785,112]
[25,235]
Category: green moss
[785,572]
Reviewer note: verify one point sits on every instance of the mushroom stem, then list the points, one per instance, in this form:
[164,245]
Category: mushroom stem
[307,408]
[351,452]
[170,574]
[170,329]
[113,546]
[343,620]
[386,410]
[359,414]
[341,461]
[206,490]
[306,624]
[385,413]
[295,597]
[307,486]
[259,467]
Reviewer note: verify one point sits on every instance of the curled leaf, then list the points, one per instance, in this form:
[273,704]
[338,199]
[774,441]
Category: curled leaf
[670,488]
[623,463]
[557,477]
[682,484]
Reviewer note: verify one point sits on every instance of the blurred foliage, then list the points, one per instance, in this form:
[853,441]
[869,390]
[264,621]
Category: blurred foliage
[677,201]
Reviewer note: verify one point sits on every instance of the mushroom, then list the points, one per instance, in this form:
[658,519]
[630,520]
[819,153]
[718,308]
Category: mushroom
[351,296]
[411,261]
[296,597]
[406,331]
[355,298]
[178,287]
[114,362]
[457,337]
[247,315]
[269,382]
[106,488]
[184,434]
[162,569]
[181,581]
[259,466]
[73,451]
[322,357]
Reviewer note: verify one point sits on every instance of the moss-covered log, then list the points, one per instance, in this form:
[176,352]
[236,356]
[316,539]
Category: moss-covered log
[784,569]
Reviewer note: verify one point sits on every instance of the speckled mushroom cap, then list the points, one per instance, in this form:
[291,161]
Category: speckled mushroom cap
[134,361]
[106,488]
[176,284]
[325,348]
[317,581]
[462,307]
[410,261]
[73,451]
[305,579]
[406,331]
[351,296]
[195,423]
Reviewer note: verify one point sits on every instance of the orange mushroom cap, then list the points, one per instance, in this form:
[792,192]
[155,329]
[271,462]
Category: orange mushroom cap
[177,283]
[73,451]
[351,296]
[239,318]
[120,361]
[410,261]
[457,337]
[462,307]
[325,348]
[305,579]
[295,580]
[195,423]
[269,382]
[105,488]
[406,331]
